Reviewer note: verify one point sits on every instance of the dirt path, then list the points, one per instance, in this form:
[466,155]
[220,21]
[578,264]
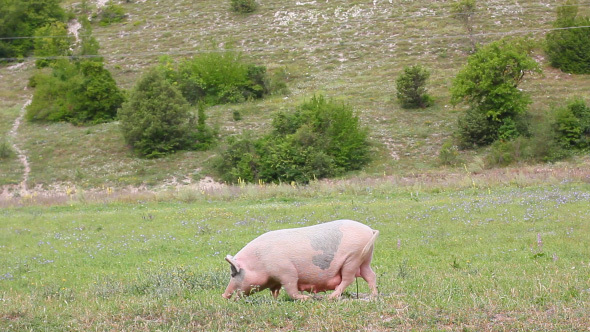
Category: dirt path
[20,152]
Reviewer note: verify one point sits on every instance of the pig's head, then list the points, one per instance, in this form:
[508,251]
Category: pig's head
[238,282]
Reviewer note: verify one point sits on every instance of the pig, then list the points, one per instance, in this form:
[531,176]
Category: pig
[317,258]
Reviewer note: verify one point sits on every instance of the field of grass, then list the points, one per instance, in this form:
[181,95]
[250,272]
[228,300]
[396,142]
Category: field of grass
[349,50]
[480,258]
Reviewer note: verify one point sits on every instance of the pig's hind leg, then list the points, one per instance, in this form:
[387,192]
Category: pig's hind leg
[370,277]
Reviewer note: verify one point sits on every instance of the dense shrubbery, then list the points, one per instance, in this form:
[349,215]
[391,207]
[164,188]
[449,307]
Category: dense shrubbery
[157,119]
[320,139]
[411,87]
[243,6]
[569,49]
[489,85]
[572,124]
[20,18]
[219,78]
[51,41]
[553,136]
[78,92]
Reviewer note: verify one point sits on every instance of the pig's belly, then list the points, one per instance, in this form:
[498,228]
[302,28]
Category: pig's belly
[320,285]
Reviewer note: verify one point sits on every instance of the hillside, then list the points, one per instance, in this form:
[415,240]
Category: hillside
[349,50]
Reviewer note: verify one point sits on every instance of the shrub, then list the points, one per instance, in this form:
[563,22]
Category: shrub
[51,40]
[21,19]
[239,160]
[543,144]
[572,124]
[489,85]
[111,13]
[321,138]
[220,78]
[448,154]
[243,6]
[411,87]
[97,97]
[78,92]
[53,95]
[476,129]
[204,136]
[569,49]
[156,120]
[6,151]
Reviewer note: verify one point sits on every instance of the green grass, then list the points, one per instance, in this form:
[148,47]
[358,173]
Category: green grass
[460,259]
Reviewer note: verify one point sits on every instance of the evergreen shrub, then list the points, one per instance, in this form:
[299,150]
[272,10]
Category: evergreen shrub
[411,87]
[243,6]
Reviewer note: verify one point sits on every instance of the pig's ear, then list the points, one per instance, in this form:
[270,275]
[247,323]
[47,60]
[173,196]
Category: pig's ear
[235,267]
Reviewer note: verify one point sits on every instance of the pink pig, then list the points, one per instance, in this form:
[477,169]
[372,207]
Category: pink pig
[316,258]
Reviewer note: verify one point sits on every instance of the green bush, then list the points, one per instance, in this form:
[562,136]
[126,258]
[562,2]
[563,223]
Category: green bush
[20,19]
[6,151]
[475,128]
[572,124]
[96,98]
[220,78]
[489,85]
[243,6]
[111,13]
[411,87]
[51,40]
[321,138]
[156,120]
[77,92]
[239,160]
[449,154]
[543,144]
[569,49]
[53,95]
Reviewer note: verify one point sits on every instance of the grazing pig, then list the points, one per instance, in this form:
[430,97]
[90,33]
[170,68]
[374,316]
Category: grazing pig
[316,258]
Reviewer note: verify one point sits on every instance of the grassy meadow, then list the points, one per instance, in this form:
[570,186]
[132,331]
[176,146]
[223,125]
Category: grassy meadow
[474,259]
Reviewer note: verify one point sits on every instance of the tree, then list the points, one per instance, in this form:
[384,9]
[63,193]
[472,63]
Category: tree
[156,120]
[464,11]
[568,46]
[489,85]
[411,87]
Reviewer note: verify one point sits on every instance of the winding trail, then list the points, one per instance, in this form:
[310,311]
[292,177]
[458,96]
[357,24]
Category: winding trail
[22,156]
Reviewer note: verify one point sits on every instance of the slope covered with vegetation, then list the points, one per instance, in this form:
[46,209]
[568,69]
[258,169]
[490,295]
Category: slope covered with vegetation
[349,51]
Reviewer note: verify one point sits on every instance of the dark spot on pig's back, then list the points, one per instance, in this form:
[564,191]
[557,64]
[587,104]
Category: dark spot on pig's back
[328,242]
